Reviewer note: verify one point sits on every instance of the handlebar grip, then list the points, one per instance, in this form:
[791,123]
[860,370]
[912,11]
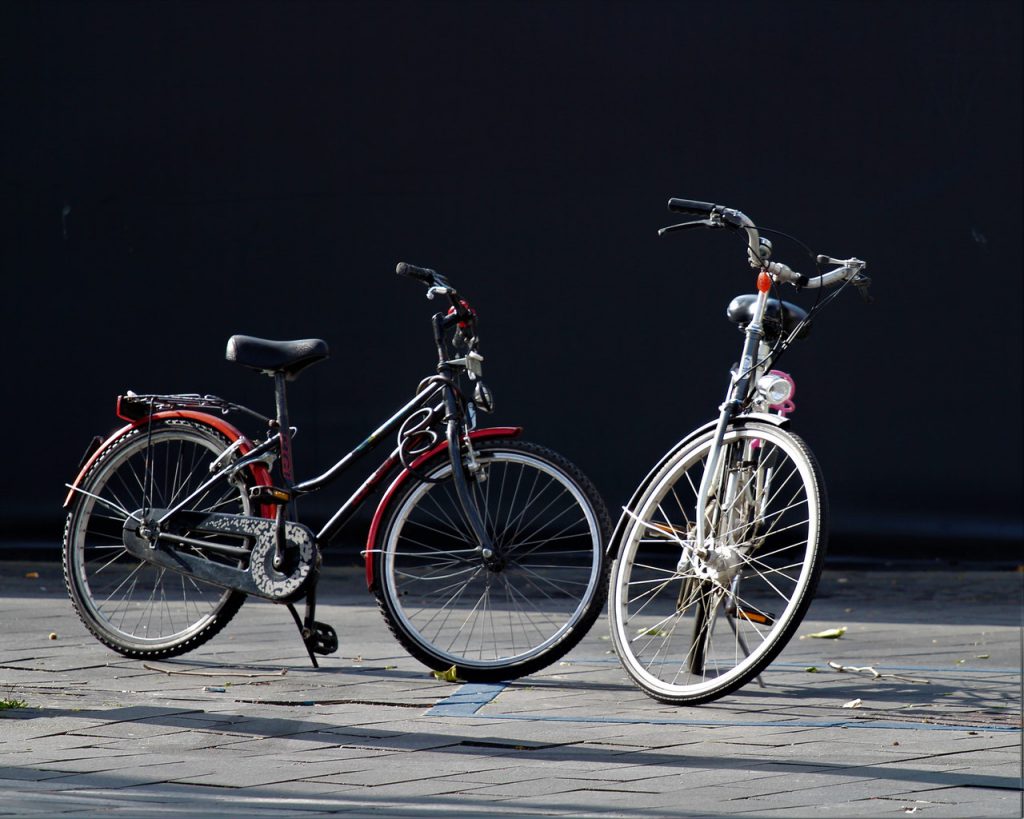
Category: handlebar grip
[691,207]
[423,274]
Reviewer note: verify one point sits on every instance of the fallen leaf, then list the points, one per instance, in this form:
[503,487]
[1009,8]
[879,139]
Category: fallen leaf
[857,703]
[811,669]
[32,575]
[827,634]
[451,675]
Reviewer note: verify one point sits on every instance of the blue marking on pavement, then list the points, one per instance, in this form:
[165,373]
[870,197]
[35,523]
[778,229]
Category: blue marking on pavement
[465,702]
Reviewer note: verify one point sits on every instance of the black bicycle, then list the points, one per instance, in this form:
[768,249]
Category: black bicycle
[485,552]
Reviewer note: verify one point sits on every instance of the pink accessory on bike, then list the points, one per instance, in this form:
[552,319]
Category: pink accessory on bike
[786,406]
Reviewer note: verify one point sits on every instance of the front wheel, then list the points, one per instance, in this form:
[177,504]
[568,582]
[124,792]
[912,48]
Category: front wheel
[693,621]
[517,611]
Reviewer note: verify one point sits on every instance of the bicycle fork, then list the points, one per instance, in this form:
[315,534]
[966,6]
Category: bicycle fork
[739,387]
[718,497]
[462,490]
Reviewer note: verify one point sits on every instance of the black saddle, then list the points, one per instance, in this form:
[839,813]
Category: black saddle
[271,357]
[779,316]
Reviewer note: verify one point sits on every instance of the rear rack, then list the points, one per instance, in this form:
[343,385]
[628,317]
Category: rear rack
[134,407]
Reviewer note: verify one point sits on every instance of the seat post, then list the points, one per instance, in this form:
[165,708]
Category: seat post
[284,429]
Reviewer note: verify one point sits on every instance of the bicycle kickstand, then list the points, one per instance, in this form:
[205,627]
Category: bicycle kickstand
[318,638]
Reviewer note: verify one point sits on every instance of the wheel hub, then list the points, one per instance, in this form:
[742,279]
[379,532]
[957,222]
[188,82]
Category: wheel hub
[494,559]
[717,563]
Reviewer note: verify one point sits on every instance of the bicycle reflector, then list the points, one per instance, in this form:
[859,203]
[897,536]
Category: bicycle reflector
[775,388]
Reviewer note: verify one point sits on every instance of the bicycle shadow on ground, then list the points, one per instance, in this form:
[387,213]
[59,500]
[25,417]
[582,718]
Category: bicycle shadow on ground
[232,729]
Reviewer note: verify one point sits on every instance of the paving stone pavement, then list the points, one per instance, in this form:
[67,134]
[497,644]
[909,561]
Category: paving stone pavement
[372,731]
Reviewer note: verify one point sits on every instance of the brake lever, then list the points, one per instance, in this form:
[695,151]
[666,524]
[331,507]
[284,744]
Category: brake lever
[439,290]
[862,283]
[706,223]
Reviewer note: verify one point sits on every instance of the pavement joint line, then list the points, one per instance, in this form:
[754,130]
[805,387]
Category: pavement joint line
[699,723]
[787,665]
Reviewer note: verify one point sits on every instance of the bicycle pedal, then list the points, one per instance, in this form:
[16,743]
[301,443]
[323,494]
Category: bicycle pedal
[322,639]
[270,494]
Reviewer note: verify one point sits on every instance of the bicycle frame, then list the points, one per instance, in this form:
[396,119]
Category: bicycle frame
[438,398]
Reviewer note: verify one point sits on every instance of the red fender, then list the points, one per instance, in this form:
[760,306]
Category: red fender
[260,474]
[371,538]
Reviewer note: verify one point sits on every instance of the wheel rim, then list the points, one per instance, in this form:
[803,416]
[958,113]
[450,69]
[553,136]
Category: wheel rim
[466,612]
[687,624]
[132,601]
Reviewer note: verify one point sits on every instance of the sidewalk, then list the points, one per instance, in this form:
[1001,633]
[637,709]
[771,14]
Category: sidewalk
[244,725]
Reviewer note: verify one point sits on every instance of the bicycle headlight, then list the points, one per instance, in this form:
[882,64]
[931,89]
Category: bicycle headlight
[775,388]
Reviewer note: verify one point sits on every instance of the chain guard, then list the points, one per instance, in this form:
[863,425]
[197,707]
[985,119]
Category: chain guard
[260,579]
[300,554]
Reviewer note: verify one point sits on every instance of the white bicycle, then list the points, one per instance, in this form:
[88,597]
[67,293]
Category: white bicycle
[721,546]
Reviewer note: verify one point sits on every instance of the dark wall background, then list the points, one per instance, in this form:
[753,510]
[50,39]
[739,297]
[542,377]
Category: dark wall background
[173,173]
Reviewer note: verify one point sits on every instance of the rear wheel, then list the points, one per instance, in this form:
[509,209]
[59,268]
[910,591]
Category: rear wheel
[692,624]
[135,607]
[520,610]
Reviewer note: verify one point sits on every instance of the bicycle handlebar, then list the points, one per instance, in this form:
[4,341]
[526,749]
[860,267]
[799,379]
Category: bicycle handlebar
[429,277]
[437,285]
[728,217]
[720,216]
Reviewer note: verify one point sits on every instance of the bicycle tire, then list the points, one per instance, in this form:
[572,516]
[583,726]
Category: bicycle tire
[515,615]
[767,545]
[136,608]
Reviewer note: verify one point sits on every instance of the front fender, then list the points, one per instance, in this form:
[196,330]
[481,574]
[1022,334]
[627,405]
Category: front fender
[777,420]
[261,476]
[404,475]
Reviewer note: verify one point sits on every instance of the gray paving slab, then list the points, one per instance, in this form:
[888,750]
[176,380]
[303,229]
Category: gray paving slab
[373,732]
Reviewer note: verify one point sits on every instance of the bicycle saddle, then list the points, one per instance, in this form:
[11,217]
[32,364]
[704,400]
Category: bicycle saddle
[779,316]
[288,357]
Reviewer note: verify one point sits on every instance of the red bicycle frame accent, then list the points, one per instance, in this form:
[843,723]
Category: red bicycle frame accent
[371,538]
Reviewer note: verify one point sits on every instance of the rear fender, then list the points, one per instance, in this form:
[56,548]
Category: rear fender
[404,475]
[259,473]
[739,421]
